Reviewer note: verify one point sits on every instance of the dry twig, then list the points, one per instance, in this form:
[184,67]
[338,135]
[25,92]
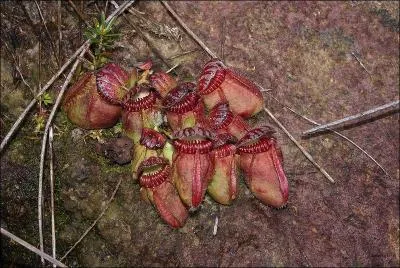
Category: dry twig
[96,220]
[360,62]
[301,148]
[44,143]
[337,133]
[356,119]
[197,39]
[53,224]
[183,54]
[172,68]
[31,248]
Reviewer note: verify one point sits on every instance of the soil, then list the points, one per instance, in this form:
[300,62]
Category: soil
[305,52]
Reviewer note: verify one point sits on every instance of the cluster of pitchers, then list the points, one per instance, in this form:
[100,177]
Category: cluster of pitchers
[189,138]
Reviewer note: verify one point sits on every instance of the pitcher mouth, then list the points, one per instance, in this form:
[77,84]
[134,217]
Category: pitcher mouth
[193,146]
[152,139]
[139,98]
[194,133]
[153,171]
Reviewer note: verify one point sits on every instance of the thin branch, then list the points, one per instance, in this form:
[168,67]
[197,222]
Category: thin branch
[96,220]
[22,116]
[215,229]
[32,248]
[53,224]
[40,186]
[334,131]
[355,119]
[187,29]
[44,143]
[53,47]
[301,148]
[172,68]
[197,39]
[359,61]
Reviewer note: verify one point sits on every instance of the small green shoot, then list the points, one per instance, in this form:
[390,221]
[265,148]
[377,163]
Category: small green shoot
[102,37]
[46,99]
[40,121]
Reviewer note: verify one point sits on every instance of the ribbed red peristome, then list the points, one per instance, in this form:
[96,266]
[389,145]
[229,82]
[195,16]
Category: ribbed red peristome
[152,139]
[135,105]
[193,146]
[262,145]
[187,104]
[257,133]
[155,179]
[224,151]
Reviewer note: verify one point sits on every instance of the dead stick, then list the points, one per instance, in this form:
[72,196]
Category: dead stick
[360,62]
[96,220]
[358,118]
[306,154]
[334,131]
[32,248]
[44,143]
[22,116]
[197,39]
[53,223]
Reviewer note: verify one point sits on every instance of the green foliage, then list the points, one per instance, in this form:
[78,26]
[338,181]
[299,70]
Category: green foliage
[46,99]
[102,37]
[39,121]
